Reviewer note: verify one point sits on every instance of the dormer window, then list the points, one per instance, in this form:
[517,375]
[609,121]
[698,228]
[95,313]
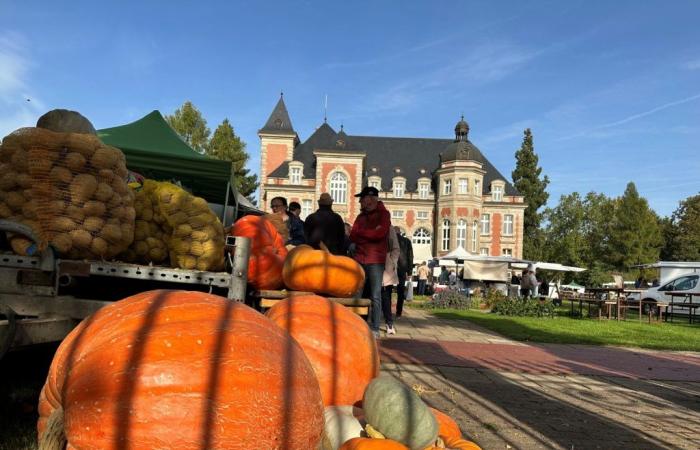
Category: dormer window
[399,188]
[295,175]
[497,193]
[423,190]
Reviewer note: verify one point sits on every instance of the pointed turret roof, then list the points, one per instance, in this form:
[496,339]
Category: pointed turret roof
[279,121]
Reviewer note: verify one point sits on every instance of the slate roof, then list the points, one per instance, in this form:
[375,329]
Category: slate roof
[279,121]
[386,154]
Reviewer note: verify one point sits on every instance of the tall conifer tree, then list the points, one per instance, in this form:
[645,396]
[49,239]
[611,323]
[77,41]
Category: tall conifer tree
[526,178]
[635,237]
[225,145]
[188,122]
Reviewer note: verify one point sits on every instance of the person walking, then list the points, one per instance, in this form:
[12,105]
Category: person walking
[452,279]
[444,277]
[528,282]
[423,272]
[390,278]
[369,235]
[403,270]
[325,226]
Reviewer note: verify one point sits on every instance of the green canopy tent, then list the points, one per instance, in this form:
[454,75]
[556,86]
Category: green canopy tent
[153,149]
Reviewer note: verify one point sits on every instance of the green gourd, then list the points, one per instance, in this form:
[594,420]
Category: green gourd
[397,412]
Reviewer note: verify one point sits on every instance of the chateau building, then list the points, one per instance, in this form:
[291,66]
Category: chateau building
[442,193]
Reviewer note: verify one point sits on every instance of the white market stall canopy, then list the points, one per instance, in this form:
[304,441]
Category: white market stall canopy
[555,267]
[496,268]
[457,254]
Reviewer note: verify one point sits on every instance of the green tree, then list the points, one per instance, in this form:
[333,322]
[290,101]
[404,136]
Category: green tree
[635,237]
[225,145]
[565,236]
[684,234]
[526,178]
[188,122]
[577,234]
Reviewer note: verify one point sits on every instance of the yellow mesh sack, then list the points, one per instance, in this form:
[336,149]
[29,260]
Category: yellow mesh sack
[172,223]
[70,189]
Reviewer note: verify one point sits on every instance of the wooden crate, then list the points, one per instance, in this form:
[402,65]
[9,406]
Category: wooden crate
[269,298]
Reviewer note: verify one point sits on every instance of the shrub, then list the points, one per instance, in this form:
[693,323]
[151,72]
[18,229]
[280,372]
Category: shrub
[519,307]
[449,299]
[493,297]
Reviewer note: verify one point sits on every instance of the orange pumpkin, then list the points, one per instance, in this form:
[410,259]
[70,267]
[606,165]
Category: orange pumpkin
[181,370]
[460,444]
[372,444]
[337,341]
[448,426]
[267,251]
[322,272]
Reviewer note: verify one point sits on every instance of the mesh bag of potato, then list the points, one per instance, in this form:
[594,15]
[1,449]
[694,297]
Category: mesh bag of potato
[171,222]
[70,189]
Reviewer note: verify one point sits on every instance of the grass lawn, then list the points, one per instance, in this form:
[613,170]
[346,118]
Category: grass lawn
[563,329]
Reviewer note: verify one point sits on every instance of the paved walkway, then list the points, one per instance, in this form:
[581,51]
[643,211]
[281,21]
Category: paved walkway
[508,394]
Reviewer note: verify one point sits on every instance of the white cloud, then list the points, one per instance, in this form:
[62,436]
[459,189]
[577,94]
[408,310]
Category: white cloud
[692,65]
[598,131]
[19,107]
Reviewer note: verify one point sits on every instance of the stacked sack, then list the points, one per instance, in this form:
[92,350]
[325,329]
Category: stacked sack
[170,222]
[69,188]
[151,231]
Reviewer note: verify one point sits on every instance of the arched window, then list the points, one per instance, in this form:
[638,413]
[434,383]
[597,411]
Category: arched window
[462,233]
[422,236]
[339,188]
[445,235]
[475,227]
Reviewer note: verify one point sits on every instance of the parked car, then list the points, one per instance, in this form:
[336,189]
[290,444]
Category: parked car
[684,283]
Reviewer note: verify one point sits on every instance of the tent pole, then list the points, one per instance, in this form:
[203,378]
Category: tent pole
[223,215]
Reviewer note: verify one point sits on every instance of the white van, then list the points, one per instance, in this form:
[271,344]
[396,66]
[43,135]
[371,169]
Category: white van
[684,283]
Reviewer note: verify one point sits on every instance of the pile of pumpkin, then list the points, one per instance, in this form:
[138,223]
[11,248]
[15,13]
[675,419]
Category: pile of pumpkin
[189,370]
[272,266]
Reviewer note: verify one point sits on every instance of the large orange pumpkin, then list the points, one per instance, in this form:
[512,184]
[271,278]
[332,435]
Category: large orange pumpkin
[372,444]
[448,426]
[181,370]
[339,344]
[460,444]
[267,251]
[322,272]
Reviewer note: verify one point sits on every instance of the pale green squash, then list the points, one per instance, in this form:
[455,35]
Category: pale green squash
[397,412]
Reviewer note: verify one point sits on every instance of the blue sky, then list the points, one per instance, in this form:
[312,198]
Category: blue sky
[611,90]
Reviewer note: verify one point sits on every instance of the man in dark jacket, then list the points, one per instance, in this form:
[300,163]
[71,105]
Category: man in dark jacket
[403,269]
[370,235]
[325,226]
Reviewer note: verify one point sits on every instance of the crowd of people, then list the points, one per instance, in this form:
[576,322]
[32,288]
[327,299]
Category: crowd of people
[383,252]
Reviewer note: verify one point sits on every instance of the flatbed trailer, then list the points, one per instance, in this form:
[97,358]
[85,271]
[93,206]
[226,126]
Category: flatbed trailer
[42,298]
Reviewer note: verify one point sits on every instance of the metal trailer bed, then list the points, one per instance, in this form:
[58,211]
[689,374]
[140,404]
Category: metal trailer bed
[36,298]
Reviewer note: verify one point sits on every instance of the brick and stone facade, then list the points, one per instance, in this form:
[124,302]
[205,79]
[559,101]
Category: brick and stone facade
[442,193]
